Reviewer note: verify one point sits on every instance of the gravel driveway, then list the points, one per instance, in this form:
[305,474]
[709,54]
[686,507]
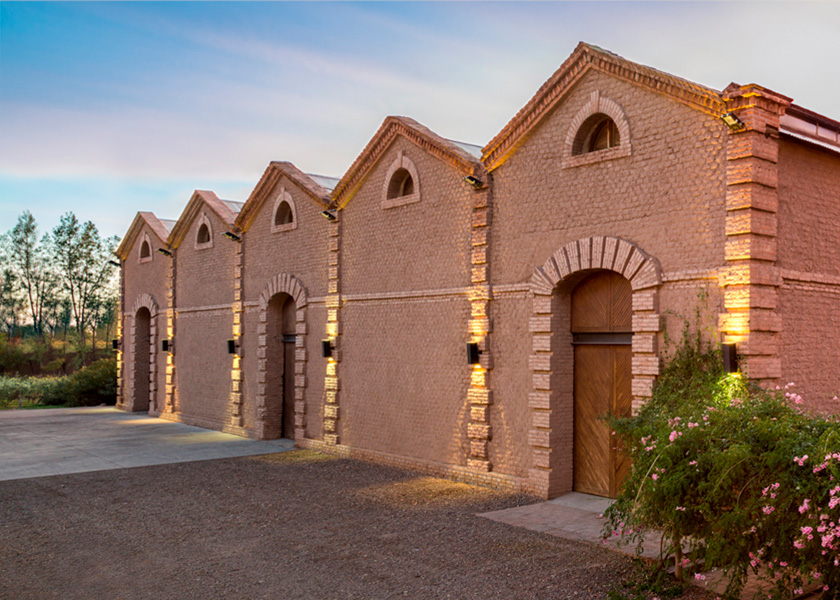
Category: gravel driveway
[292,525]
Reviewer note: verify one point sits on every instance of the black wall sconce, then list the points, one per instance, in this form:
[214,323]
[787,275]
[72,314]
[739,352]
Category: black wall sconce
[232,236]
[233,346]
[730,358]
[327,348]
[164,251]
[732,120]
[473,353]
[474,182]
[167,345]
[115,344]
[330,215]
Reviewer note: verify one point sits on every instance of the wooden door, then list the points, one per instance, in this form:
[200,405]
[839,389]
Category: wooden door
[602,333]
[289,338]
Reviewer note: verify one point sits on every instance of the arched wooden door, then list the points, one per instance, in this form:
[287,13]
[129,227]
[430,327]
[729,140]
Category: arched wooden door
[142,358]
[602,334]
[280,373]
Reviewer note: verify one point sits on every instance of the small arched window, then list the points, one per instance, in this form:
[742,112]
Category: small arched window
[283,214]
[598,132]
[401,184]
[203,235]
[145,250]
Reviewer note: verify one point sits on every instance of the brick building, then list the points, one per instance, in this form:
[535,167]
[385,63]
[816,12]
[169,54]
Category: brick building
[617,202]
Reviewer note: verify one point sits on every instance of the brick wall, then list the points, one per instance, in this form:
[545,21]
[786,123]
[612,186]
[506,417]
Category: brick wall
[404,276]
[204,292]
[300,252]
[666,197]
[146,278]
[809,263]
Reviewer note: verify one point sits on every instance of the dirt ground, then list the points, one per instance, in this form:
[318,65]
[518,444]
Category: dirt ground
[291,525]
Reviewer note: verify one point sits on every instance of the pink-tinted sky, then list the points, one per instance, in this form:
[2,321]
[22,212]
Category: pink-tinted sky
[110,108]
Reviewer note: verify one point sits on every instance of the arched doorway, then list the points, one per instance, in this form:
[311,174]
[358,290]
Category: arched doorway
[280,367]
[142,359]
[601,325]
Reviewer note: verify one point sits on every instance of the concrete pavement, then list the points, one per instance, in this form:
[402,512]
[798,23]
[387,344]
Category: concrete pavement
[56,441]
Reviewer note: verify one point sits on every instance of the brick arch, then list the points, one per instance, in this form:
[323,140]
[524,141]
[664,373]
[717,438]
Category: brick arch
[401,162]
[551,413]
[598,104]
[144,301]
[291,285]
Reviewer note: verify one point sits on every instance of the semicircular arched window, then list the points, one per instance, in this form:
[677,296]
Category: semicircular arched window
[401,184]
[598,132]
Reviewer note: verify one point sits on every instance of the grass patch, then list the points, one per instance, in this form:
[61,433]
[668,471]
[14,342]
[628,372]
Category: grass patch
[294,457]
[426,492]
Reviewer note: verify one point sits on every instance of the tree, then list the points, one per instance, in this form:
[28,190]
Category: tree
[33,273]
[11,304]
[81,261]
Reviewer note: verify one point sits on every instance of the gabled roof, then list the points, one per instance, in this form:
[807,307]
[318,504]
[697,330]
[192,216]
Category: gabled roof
[584,58]
[452,153]
[313,185]
[159,227]
[201,198]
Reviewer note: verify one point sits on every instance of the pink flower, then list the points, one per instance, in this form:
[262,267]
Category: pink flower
[699,576]
[654,476]
[805,506]
[767,510]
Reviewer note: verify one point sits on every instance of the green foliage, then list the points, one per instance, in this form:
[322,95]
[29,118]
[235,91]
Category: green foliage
[718,467]
[93,385]
[27,391]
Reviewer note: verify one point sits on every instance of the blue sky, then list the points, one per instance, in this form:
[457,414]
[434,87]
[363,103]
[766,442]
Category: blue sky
[111,108]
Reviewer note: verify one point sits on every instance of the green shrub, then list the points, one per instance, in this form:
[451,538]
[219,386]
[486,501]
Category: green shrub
[29,390]
[738,475]
[90,386]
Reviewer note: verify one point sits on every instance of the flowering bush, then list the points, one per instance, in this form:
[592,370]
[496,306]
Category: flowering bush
[737,478]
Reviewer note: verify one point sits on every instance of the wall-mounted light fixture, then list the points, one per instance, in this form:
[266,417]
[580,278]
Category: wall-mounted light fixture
[233,346]
[113,262]
[330,215]
[232,236]
[327,348]
[473,181]
[732,120]
[473,353]
[167,345]
[730,358]
[164,251]
[115,344]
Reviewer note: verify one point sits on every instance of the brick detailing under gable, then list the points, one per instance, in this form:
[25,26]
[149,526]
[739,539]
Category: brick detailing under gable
[129,401]
[645,276]
[169,407]
[751,280]
[288,284]
[234,416]
[121,394]
[333,303]
[479,395]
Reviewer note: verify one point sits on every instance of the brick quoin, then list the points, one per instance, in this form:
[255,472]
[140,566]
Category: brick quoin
[429,244]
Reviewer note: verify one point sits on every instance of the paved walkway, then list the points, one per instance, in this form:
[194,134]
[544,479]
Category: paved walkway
[56,441]
[577,516]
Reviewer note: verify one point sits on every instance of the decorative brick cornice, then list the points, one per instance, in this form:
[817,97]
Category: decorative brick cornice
[199,198]
[584,58]
[275,171]
[142,218]
[443,149]
[751,280]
